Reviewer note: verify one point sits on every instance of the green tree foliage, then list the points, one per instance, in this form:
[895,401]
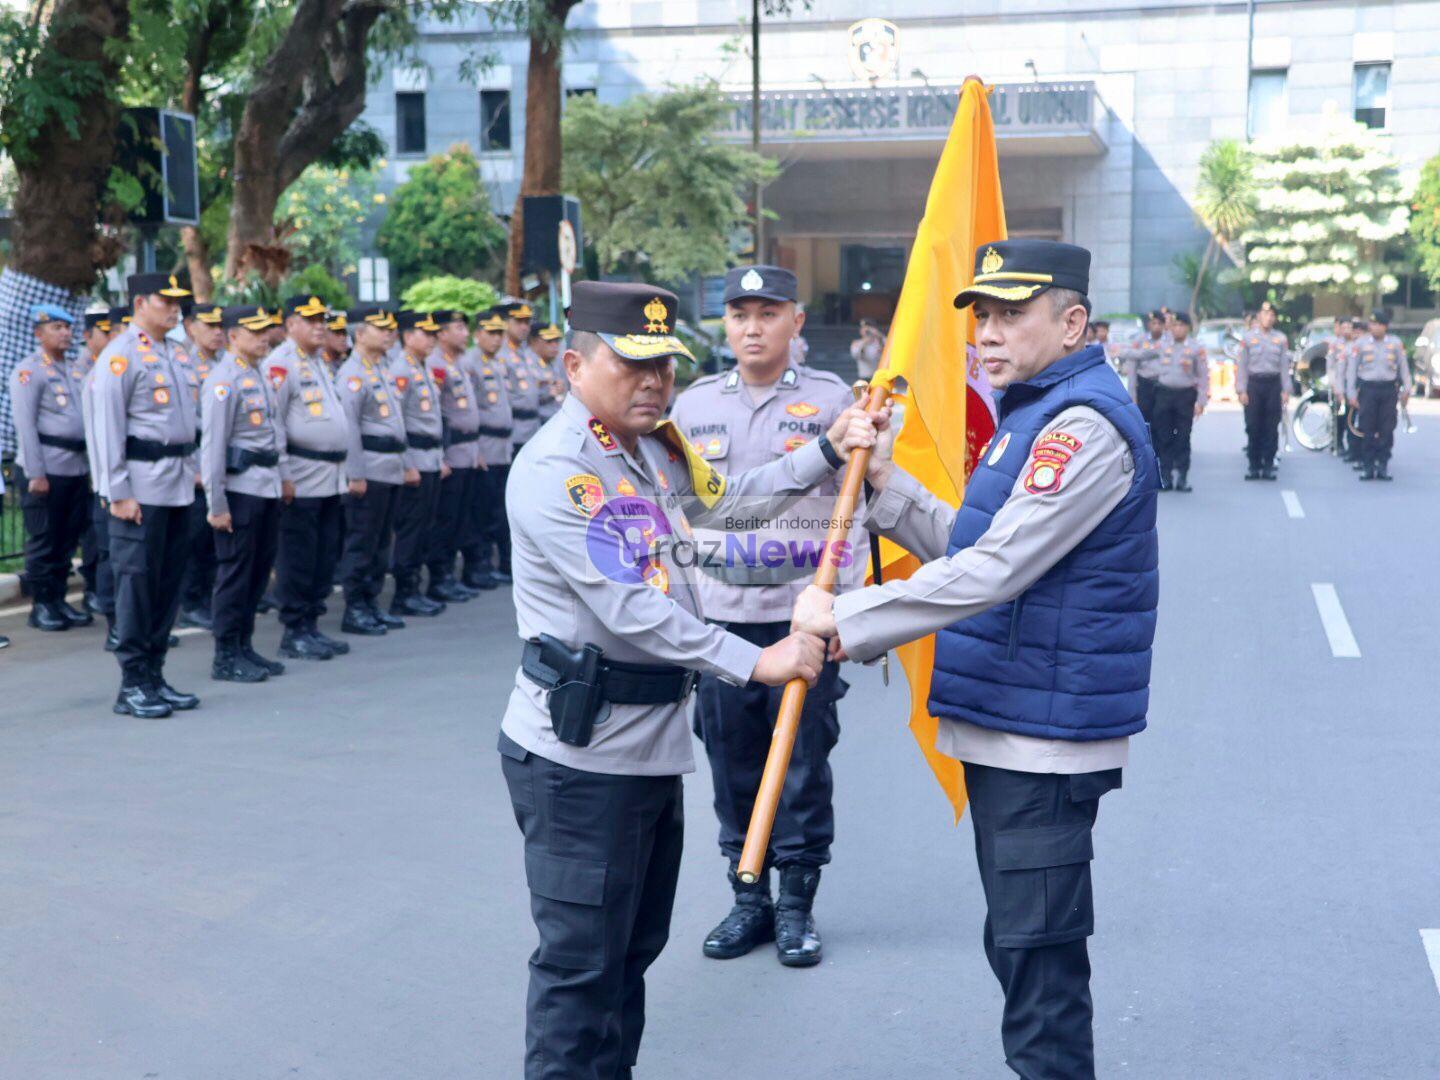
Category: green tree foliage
[1425,221]
[661,194]
[1329,207]
[440,222]
[315,280]
[448,292]
[1225,204]
[39,88]
[321,215]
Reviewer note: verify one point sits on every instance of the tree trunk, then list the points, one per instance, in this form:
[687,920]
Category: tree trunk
[192,97]
[58,201]
[309,90]
[1200,277]
[543,99]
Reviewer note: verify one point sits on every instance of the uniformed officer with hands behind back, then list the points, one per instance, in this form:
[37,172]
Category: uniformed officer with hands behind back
[51,470]
[1262,382]
[1182,390]
[594,739]
[545,356]
[460,419]
[419,399]
[205,340]
[98,332]
[522,377]
[1377,380]
[240,466]
[145,424]
[485,544]
[765,408]
[1041,590]
[375,465]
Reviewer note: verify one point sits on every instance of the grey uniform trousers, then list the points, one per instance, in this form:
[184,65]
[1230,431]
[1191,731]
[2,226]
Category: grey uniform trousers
[602,855]
[1033,845]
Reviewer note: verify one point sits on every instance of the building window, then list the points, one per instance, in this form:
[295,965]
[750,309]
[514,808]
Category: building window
[1269,103]
[494,119]
[410,123]
[1372,94]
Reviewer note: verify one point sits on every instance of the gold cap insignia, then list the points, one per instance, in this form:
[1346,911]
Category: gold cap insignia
[992,261]
[656,312]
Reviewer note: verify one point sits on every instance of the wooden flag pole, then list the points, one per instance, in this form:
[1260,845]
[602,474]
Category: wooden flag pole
[792,702]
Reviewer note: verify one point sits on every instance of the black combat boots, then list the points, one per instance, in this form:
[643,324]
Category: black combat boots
[751,921]
[1182,480]
[796,939]
[232,665]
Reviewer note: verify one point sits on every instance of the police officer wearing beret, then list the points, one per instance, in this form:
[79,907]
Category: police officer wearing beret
[205,340]
[51,470]
[767,407]
[1041,590]
[594,739]
[240,465]
[460,419]
[145,424]
[424,456]
[313,440]
[375,465]
[1377,379]
[485,539]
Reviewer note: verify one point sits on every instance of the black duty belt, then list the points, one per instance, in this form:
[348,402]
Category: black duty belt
[237,460]
[494,432]
[154,450]
[423,442]
[335,457]
[525,414]
[382,444]
[455,438]
[75,445]
[545,663]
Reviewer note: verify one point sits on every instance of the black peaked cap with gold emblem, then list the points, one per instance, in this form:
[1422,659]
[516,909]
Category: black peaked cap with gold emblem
[247,316]
[417,320]
[307,307]
[636,320]
[382,318]
[1023,269]
[98,320]
[170,286]
[209,314]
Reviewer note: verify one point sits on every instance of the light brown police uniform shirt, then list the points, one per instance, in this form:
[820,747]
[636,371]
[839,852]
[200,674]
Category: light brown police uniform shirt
[372,407]
[308,414]
[459,411]
[1030,533]
[237,410]
[45,400]
[492,395]
[738,427]
[598,536]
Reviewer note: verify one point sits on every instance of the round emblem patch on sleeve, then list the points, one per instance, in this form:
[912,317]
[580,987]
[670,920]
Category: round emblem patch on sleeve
[1048,458]
[586,492]
[118,365]
[1043,477]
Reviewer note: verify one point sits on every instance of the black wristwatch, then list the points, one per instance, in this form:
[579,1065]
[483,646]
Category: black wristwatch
[831,454]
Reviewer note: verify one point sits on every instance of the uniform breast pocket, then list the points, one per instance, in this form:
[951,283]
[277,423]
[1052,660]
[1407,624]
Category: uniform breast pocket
[712,447]
[794,434]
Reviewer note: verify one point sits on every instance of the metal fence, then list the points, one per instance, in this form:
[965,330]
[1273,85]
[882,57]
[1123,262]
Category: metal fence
[12,527]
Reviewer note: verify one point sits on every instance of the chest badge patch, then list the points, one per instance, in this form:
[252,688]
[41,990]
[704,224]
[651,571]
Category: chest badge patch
[624,486]
[802,409]
[713,448]
[1000,448]
[162,395]
[602,434]
[316,408]
[795,442]
[586,493]
[222,391]
[118,365]
[256,417]
[354,384]
[23,376]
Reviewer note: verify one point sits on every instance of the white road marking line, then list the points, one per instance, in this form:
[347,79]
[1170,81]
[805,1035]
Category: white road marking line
[1332,617]
[1431,940]
[1292,503]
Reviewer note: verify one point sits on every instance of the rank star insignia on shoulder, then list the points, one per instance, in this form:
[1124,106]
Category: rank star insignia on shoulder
[602,435]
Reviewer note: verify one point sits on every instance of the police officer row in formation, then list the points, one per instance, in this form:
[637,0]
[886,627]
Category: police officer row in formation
[1170,378]
[316,444]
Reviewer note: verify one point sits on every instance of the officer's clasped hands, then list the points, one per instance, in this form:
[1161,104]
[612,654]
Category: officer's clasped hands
[857,428]
[798,655]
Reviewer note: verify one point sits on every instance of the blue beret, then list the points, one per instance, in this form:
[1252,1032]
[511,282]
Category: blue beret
[43,313]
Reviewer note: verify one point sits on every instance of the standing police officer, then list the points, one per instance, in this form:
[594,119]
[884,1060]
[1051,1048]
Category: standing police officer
[594,740]
[460,416]
[1182,390]
[486,539]
[313,440]
[550,373]
[337,341]
[1376,380]
[240,465]
[1337,360]
[1262,382]
[145,427]
[98,332]
[424,455]
[1041,590]
[1141,361]
[51,469]
[766,408]
[522,377]
[205,340]
[375,464]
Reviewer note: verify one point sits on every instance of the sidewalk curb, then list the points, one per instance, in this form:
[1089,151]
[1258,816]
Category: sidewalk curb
[10,588]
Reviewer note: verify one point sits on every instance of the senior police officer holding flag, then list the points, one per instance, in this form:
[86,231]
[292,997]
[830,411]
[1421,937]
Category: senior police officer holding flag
[594,739]
[1042,591]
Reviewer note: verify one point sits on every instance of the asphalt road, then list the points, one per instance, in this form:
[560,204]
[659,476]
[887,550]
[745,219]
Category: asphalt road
[320,876]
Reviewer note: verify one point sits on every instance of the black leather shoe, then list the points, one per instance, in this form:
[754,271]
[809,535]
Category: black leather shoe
[502,577]
[796,940]
[1383,473]
[1182,480]
[4,642]
[232,665]
[172,642]
[112,639]
[1165,482]
[198,617]
[74,615]
[1268,473]
[386,619]
[176,699]
[1253,474]
[272,667]
[46,615]
[449,592]
[339,648]
[1368,473]
[141,702]
[480,580]
[298,645]
[415,605]
[266,604]
[92,602]
[751,921]
[358,620]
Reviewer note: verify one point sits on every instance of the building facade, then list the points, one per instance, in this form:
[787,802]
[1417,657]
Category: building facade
[1103,109]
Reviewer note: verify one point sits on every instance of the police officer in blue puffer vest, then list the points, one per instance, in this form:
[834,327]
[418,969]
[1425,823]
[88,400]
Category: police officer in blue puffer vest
[1042,591]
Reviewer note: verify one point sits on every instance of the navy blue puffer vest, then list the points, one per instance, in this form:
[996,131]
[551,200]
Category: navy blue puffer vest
[1070,657]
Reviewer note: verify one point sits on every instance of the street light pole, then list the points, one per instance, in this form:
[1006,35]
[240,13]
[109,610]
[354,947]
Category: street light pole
[758,228]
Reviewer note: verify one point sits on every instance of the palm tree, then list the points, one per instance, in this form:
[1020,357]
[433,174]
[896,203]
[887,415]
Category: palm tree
[1224,201]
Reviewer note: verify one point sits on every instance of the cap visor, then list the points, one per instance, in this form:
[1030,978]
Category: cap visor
[760,294]
[997,290]
[646,346]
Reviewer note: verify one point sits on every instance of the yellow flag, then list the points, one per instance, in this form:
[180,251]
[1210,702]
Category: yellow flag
[948,415]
